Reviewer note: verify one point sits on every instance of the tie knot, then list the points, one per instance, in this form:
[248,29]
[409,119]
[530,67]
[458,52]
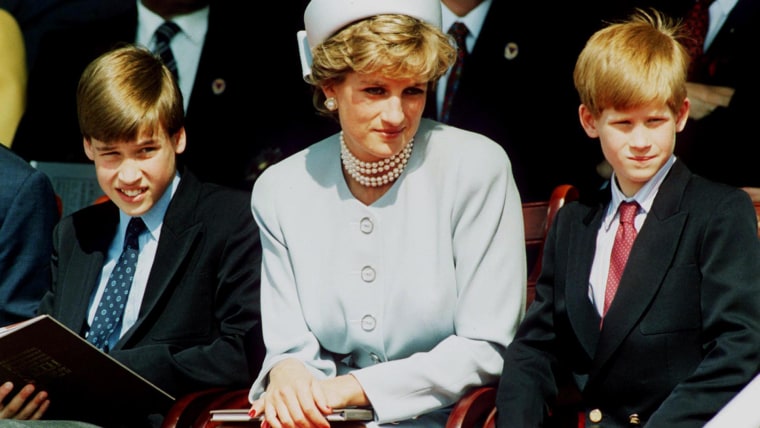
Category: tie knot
[167,30]
[628,211]
[135,227]
[459,31]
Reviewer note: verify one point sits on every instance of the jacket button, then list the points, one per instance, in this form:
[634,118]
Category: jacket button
[368,274]
[366,226]
[368,323]
[595,416]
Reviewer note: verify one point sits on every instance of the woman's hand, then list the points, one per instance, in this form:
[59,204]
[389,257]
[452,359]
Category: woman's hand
[294,398]
[344,391]
[21,406]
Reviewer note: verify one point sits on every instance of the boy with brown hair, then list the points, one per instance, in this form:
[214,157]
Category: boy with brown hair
[665,335]
[190,318]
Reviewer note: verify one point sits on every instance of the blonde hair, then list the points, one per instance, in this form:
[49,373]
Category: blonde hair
[398,46]
[126,92]
[633,63]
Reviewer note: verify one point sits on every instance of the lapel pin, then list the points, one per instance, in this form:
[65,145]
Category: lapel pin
[511,51]
[218,86]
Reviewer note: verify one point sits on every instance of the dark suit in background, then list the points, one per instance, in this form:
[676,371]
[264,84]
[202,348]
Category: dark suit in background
[28,213]
[517,88]
[249,105]
[729,61]
[682,335]
[37,17]
[199,321]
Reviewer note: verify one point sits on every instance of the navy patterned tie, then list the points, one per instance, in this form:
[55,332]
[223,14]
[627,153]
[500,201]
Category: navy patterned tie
[164,35]
[459,31]
[111,306]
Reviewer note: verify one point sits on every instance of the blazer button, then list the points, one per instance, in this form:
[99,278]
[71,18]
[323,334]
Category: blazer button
[595,416]
[634,419]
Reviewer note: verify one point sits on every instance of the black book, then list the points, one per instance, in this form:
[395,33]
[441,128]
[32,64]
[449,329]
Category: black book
[80,379]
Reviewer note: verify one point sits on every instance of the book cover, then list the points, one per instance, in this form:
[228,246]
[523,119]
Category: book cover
[79,378]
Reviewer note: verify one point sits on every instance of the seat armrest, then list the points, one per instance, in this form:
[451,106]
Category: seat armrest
[472,409]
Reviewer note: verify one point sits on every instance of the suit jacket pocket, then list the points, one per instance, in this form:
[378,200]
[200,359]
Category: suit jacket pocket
[677,304]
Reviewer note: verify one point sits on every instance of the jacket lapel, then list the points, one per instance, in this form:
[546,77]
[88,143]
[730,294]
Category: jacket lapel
[740,17]
[94,231]
[580,310]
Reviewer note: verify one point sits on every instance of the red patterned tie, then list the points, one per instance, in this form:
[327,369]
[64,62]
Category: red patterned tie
[624,238]
[697,22]
[459,31]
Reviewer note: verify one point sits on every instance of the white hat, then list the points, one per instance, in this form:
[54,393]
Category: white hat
[323,18]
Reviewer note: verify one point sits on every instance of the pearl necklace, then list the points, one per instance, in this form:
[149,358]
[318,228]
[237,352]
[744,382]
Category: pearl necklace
[364,172]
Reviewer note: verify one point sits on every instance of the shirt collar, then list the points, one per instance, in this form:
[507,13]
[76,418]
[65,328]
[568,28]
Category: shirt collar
[473,20]
[194,24]
[154,218]
[724,5]
[644,197]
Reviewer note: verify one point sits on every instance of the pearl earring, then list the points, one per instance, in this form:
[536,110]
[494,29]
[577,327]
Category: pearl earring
[331,104]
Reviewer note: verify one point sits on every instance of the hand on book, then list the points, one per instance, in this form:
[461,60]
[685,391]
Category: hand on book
[294,394]
[26,404]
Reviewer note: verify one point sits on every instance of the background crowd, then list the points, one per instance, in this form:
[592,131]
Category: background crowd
[519,62]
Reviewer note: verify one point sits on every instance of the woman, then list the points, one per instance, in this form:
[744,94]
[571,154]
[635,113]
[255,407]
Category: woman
[394,262]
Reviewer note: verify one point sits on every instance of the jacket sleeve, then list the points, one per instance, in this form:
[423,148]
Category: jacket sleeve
[730,296]
[26,228]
